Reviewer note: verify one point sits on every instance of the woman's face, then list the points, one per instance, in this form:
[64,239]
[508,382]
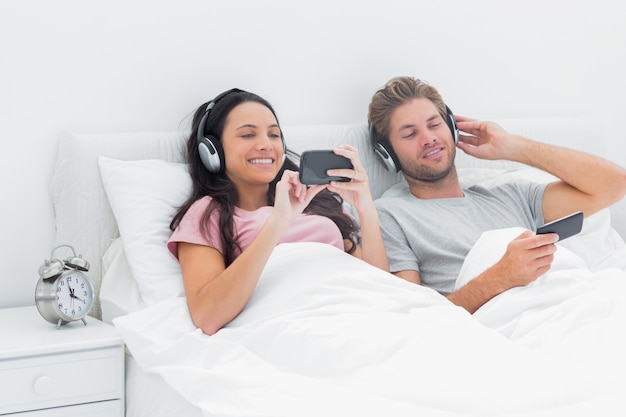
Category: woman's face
[252,144]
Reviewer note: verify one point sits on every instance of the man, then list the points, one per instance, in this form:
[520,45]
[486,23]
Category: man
[430,227]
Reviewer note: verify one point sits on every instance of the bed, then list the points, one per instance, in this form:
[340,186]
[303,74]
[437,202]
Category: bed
[327,334]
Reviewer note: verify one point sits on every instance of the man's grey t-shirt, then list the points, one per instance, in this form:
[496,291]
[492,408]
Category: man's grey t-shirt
[433,236]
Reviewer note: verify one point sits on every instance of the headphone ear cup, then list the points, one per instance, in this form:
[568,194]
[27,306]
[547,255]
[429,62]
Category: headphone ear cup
[387,156]
[452,125]
[384,157]
[384,152]
[211,154]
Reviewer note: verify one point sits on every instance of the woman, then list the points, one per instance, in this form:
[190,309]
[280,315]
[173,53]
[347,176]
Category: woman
[247,198]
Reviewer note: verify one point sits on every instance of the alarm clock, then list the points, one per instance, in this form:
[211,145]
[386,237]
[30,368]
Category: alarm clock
[64,293]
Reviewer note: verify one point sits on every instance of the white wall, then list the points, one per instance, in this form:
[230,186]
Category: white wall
[141,65]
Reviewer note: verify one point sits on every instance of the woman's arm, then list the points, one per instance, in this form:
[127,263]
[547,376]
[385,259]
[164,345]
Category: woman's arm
[357,192]
[216,294]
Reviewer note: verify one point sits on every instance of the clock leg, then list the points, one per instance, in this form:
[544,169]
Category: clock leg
[84,321]
[59,323]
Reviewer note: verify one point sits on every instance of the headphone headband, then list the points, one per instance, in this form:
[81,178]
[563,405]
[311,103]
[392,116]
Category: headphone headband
[208,108]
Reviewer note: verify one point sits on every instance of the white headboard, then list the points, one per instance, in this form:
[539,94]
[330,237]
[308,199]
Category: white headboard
[84,218]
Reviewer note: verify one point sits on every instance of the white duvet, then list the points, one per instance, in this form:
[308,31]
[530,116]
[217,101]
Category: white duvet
[569,311]
[326,334]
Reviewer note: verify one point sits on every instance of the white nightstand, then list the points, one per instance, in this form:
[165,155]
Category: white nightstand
[76,370]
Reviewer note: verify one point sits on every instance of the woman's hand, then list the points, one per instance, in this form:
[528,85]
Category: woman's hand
[357,190]
[292,196]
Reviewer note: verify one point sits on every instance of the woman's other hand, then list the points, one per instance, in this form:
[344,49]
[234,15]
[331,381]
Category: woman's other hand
[357,190]
[292,197]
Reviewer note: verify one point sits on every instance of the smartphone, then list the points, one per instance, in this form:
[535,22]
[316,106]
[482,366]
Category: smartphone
[564,227]
[315,163]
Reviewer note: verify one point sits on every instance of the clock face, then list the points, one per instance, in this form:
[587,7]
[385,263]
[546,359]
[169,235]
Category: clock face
[74,295]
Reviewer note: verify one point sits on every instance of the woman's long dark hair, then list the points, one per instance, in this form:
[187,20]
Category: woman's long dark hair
[224,193]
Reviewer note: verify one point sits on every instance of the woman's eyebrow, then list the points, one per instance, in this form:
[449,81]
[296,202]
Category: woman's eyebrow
[253,126]
[247,125]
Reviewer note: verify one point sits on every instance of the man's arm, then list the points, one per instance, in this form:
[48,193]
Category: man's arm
[587,182]
[527,257]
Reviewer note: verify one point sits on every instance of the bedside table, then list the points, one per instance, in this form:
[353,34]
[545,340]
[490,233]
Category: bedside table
[75,370]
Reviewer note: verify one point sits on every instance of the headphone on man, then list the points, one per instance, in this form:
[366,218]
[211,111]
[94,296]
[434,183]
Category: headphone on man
[209,147]
[387,156]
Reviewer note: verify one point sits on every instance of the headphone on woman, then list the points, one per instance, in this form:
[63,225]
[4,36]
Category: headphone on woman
[209,147]
[385,153]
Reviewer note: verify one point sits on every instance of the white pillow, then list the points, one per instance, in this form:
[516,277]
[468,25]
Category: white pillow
[119,293]
[144,195]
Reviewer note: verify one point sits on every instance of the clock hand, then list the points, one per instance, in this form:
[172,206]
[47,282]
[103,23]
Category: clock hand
[72,296]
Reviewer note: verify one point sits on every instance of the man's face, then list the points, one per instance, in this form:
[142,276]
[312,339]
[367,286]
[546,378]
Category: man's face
[422,140]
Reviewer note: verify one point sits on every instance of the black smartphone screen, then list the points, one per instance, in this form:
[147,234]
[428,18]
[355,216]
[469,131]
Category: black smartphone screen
[564,227]
[315,163]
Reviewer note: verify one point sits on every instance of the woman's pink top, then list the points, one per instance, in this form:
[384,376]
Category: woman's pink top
[247,224]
